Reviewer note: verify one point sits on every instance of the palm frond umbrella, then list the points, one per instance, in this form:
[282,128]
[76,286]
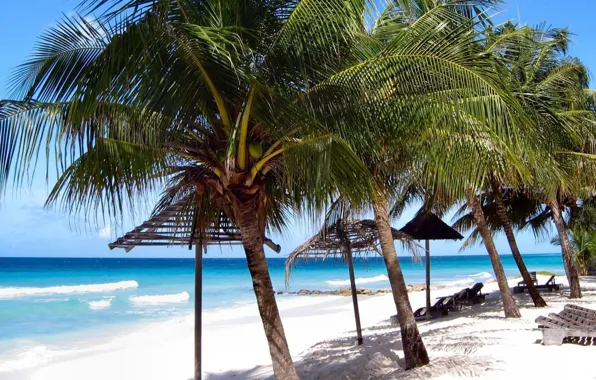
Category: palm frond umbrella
[176,225]
[427,226]
[344,239]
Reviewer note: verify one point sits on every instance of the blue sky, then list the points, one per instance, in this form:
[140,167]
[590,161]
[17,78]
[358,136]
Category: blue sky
[27,229]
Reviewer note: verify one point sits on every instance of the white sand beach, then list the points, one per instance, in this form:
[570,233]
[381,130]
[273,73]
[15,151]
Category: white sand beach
[476,342]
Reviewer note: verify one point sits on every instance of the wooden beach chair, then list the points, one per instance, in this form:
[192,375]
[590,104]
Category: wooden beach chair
[554,331]
[572,318]
[471,296]
[444,305]
[532,276]
[551,285]
[581,311]
[451,304]
[437,310]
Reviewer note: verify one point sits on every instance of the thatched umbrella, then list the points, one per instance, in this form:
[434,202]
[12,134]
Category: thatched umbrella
[427,226]
[176,225]
[344,239]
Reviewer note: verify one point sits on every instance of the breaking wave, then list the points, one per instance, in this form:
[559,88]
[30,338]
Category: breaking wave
[101,304]
[66,289]
[165,298]
[481,275]
[361,280]
[471,279]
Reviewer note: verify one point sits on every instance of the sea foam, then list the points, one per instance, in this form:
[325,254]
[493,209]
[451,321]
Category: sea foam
[165,298]
[471,279]
[67,289]
[482,275]
[361,280]
[101,304]
[30,358]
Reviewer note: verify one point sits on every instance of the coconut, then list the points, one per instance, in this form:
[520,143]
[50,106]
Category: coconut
[255,149]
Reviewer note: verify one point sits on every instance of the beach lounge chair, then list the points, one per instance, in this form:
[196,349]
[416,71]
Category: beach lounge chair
[451,304]
[555,331]
[581,311]
[551,285]
[471,296]
[436,310]
[466,296]
[572,318]
[532,276]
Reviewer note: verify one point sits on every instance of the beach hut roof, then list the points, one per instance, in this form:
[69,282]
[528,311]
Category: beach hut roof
[428,226]
[343,239]
[174,226]
[361,235]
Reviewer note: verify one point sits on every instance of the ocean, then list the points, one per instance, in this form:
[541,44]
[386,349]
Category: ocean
[49,304]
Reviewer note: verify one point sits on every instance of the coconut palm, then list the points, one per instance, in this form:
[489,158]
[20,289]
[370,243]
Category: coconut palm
[199,100]
[447,182]
[583,243]
[504,209]
[552,87]
[400,145]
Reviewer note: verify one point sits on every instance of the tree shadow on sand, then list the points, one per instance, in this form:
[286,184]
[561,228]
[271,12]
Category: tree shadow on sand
[456,342]
[259,372]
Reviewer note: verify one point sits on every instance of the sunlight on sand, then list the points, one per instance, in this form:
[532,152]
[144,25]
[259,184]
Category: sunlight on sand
[476,342]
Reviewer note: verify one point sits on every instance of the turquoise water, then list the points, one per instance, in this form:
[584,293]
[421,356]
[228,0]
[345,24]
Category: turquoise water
[54,302]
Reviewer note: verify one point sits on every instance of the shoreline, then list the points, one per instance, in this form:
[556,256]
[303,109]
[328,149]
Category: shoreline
[220,325]
[22,360]
[234,344]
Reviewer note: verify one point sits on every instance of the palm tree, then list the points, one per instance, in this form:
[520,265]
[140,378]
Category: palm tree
[523,52]
[552,87]
[519,261]
[442,181]
[456,181]
[509,304]
[200,100]
[583,243]
[398,146]
[502,207]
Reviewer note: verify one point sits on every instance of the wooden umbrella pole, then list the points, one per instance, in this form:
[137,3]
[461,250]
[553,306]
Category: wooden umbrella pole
[427,255]
[354,296]
[198,306]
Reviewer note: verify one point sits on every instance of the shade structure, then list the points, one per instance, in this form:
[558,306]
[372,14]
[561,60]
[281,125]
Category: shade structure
[344,239]
[427,226]
[175,225]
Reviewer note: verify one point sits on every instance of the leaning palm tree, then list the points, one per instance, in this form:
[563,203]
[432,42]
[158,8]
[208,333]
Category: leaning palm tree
[504,209]
[442,100]
[452,53]
[488,154]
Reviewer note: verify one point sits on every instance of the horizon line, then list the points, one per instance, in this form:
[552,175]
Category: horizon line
[240,257]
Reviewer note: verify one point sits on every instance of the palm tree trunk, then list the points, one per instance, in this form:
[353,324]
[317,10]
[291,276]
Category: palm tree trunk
[570,266]
[252,230]
[414,351]
[509,305]
[523,270]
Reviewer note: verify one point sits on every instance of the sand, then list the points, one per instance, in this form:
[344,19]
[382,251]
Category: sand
[476,342]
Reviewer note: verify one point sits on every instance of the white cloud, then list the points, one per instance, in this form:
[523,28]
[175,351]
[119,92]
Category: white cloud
[105,232]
